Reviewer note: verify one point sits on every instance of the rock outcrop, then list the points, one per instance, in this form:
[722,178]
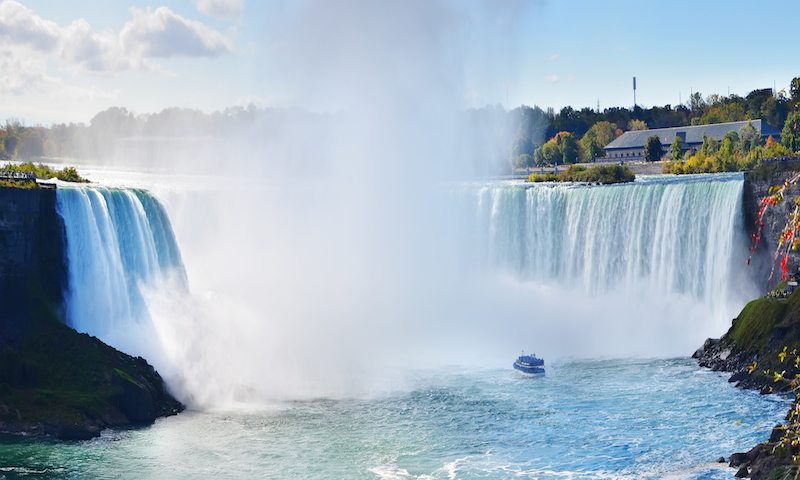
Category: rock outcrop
[756,186]
[53,380]
[752,351]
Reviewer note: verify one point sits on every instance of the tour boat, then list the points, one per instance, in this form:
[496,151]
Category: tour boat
[529,365]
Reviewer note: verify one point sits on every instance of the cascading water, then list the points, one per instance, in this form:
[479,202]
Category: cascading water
[645,269]
[119,243]
[679,236]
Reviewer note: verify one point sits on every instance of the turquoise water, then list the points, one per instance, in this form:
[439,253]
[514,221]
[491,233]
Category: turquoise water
[585,419]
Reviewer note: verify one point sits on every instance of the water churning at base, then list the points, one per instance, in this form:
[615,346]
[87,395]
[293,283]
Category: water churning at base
[119,242]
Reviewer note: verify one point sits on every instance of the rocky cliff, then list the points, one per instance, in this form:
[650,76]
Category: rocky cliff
[53,380]
[756,186]
[33,271]
[763,339]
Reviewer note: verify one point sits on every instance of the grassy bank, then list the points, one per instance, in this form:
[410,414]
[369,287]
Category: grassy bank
[44,172]
[605,174]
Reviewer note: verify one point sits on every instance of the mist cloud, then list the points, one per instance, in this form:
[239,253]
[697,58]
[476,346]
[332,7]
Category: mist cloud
[220,8]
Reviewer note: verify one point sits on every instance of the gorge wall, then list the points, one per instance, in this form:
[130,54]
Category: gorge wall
[33,269]
[756,187]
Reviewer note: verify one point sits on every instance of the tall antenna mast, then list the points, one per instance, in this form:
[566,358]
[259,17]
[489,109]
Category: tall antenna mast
[634,93]
[598,105]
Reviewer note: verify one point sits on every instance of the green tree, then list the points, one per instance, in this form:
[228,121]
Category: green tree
[549,153]
[710,146]
[749,137]
[653,150]
[794,93]
[522,145]
[725,160]
[523,161]
[733,136]
[591,147]
[604,131]
[677,148]
[790,136]
[697,104]
[568,148]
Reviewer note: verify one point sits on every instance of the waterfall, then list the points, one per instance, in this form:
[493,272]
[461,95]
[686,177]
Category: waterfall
[681,236]
[649,268]
[119,244]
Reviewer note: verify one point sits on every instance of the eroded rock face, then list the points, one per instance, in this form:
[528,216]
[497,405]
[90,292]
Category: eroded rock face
[33,267]
[755,189]
[144,394]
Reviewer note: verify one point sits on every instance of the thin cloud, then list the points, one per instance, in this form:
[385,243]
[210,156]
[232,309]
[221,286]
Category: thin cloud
[72,92]
[551,79]
[23,74]
[570,79]
[165,34]
[220,8]
[554,57]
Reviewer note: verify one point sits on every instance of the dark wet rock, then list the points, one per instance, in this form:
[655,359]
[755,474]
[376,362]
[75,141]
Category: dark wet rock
[53,380]
[776,435]
[721,460]
[742,473]
[756,187]
[738,459]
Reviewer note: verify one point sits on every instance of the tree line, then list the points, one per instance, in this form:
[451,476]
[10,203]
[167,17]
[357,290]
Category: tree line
[97,139]
[491,139]
[572,136]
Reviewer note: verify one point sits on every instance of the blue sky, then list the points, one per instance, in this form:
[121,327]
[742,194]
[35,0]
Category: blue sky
[65,61]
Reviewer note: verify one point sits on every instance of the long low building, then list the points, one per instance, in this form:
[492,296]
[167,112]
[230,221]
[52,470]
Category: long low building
[629,147]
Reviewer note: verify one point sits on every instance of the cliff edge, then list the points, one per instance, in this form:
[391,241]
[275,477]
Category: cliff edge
[53,380]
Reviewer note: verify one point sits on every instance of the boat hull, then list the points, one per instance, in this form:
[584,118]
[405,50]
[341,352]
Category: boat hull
[528,371]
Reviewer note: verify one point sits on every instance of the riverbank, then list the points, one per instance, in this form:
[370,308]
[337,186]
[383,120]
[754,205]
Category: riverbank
[758,351]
